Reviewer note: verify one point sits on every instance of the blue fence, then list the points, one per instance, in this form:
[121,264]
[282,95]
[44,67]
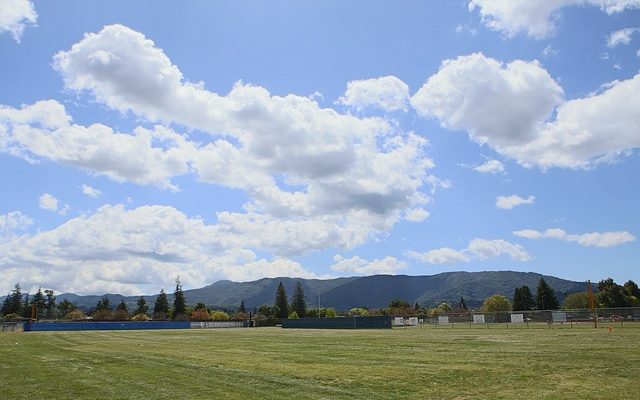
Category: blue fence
[378,322]
[104,326]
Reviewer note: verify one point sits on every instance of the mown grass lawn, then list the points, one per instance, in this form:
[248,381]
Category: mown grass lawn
[273,363]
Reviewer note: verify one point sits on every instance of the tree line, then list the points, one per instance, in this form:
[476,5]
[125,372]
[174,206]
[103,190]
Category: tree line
[43,305]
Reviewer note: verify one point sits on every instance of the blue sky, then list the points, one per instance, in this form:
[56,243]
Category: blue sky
[241,140]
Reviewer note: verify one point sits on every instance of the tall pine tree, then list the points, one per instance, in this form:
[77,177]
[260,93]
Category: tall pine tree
[142,306]
[50,306]
[161,307]
[545,298]
[297,303]
[179,303]
[39,303]
[523,299]
[281,303]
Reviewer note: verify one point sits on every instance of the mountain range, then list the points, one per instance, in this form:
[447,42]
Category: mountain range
[368,291]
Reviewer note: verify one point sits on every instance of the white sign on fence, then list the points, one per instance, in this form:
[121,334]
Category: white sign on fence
[478,318]
[413,321]
[443,320]
[559,316]
[517,318]
[398,321]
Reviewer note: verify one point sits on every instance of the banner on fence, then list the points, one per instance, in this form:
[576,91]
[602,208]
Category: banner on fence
[517,318]
[478,318]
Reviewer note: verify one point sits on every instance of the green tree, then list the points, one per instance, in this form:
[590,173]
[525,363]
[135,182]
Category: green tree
[219,316]
[161,307]
[40,304]
[266,311]
[298,304]
[179,303]
[576,301]
[13,304]
[142,306]
[65,307]
[545,297]
[358,312]
[496,303]
[611,295]
[281,303]
[50,306]
[242,309]
[26,309]
[523,299]
[122,306]
[633,292]
[104,304]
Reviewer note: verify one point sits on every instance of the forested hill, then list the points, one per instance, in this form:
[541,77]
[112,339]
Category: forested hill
[369,291]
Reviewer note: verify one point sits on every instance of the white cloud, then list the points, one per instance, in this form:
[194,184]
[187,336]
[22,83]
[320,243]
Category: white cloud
[444,255]
[498,104]
[536,18]
[48,202]
[491,167]
[15,15]
[342,162]
[417,215]
[622,36]
[143,248]
[360,266]
[508,107]
[90,191]
[44,130]
[12,222]
[387,93]
[485,249]
[593,239]
[508,202]
[481,249]
[549,51]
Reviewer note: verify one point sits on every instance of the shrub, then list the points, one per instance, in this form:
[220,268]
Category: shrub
[12,317]
[219,316]
[75,315]
[140,317]
[293,315]
[120,315]
[358,312]
[102,315]
[200,314]
[159,316]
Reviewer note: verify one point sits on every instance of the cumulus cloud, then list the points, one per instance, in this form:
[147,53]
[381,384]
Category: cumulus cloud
[481,249]
[536,18]
[13,222]
[490,167]
[15,16]
[417,215]
[48,202]
[44,130]
[509,108]
[360,266]
[145,247]
[508,202]
[444,255]
[485,249]
[622,36]
[387,93]
[593,239]
[90,191]
[342,162]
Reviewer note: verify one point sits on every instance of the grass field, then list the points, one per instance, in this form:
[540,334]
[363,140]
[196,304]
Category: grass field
[272,363]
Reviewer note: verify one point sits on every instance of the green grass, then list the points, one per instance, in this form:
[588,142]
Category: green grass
[272,363]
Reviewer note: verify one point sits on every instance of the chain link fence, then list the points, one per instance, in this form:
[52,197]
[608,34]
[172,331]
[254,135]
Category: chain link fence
[619,317]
